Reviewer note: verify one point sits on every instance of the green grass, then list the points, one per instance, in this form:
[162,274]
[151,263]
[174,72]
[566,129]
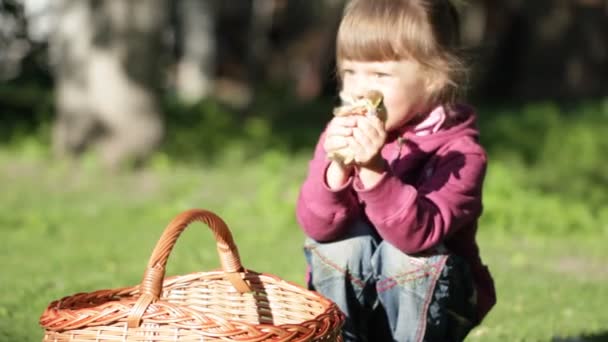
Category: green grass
[68,228]
[73,228]
[548,287]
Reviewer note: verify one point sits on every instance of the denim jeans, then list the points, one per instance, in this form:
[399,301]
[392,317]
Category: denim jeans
[406,298]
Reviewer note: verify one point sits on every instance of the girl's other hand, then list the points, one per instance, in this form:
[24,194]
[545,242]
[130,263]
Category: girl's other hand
[368,138]
[338,132]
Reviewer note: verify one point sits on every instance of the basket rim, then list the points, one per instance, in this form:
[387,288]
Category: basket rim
[126,298]
[130,307]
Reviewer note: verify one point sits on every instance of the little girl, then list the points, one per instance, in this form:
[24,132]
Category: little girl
[391,236]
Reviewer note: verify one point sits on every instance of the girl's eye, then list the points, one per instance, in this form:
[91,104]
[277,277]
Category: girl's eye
[381,74]
[347,72]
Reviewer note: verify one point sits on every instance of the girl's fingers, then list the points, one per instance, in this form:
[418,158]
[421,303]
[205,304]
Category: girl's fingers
[372,135]
[339,130]
[366,129]
[378,126]
[341,126]
[372,126]
[354,146]
[362,138]
[361,152]
[335,142]
[368,139]
[346,121]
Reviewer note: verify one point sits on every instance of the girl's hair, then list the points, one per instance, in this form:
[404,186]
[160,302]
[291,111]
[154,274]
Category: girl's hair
[425,30]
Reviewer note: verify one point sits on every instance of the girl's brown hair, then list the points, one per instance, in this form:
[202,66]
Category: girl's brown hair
[425,30]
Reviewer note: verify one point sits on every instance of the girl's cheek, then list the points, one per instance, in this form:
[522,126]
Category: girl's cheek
[394,107]
[349,84]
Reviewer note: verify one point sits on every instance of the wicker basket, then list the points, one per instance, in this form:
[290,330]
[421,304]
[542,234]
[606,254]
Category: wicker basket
[232,304]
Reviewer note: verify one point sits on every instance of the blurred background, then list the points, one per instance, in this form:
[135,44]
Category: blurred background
[121,113]
[99,75]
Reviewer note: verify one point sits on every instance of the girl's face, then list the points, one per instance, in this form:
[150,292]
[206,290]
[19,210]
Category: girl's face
[403,84]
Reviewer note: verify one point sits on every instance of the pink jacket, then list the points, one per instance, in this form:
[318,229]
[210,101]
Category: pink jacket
[431,193]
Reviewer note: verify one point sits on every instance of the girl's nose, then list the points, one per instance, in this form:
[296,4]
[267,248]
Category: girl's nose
[357,85]
[359,90]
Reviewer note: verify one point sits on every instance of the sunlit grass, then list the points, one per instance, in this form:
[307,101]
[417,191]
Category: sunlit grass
[71,227]
[68,229]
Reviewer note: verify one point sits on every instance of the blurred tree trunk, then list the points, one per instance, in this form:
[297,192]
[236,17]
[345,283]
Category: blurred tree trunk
[14,45]
[195,27]
[566,50]
[108,71]
[539,49]
[306,34]
[313,53]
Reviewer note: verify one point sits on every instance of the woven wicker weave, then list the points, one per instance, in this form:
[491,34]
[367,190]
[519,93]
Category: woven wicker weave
[232,304]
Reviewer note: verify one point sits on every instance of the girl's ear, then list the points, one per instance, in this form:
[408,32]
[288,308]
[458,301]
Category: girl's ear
[435,82]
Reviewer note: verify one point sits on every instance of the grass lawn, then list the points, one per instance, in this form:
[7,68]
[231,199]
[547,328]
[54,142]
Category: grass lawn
[68,229]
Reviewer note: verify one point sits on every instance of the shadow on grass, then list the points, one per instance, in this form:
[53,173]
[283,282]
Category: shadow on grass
[598,337]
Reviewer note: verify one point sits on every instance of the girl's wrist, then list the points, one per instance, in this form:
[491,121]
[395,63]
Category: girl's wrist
[371,172]
[376,164]
[337,174]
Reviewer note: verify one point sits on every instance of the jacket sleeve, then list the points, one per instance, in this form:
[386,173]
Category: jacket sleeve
[324,213]
[414,219]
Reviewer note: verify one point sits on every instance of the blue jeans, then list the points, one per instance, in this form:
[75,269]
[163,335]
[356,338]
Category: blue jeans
[389,295]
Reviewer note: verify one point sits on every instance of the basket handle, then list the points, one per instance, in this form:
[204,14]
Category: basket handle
[151,285]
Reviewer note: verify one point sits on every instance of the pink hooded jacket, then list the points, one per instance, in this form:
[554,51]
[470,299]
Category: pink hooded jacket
[430,194]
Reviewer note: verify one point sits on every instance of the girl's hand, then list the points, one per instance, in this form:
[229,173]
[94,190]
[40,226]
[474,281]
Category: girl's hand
[368,138]
[338,132]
